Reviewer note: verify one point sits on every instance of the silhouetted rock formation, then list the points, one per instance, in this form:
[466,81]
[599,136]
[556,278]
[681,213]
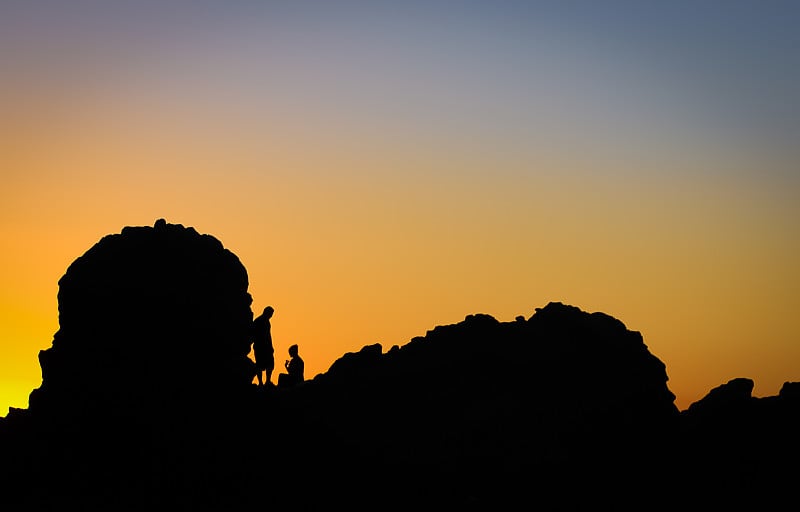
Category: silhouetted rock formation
[482,408]
[150,357]
[147,402]
[153,320]
[734,395]
[742,451]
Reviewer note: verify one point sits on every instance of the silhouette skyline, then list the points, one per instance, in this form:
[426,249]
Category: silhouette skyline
[148,399]
[390,167]
[445,203]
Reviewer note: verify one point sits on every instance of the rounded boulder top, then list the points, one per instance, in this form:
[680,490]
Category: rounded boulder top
[151,315]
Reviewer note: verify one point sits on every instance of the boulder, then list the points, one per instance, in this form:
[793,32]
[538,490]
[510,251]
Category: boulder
[153,321]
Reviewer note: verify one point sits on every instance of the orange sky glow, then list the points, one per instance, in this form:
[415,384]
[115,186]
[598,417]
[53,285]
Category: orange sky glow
[376,185]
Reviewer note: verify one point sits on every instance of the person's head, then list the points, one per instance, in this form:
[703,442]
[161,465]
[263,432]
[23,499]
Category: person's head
[293,351]
[268,311]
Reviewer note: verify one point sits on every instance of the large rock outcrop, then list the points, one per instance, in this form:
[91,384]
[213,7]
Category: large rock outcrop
[739,450]
[147,402]
[153,323]
[482,412]
[144,387]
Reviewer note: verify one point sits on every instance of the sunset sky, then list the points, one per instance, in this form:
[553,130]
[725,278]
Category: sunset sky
[381,168]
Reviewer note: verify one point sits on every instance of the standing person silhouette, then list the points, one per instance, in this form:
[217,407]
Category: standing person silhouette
[262,346]
[294,368]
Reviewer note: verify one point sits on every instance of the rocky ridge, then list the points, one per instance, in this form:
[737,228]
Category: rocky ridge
[563,410]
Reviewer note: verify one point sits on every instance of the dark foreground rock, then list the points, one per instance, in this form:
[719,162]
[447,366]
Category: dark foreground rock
[152,320]
[147,403]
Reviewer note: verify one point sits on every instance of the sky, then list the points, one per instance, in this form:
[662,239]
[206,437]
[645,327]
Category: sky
[381,168]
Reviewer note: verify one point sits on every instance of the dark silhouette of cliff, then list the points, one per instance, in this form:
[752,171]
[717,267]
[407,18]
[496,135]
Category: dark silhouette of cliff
[742,450]
[151,356]
[152,320]
[147,402]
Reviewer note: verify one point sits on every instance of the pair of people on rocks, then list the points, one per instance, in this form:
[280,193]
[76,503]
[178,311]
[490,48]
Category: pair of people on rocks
[265,354]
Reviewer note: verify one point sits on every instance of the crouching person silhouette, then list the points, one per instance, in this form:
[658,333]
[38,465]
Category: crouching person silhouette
[294,369]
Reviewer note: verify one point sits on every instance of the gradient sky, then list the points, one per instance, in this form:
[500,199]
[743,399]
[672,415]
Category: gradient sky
[381,168]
